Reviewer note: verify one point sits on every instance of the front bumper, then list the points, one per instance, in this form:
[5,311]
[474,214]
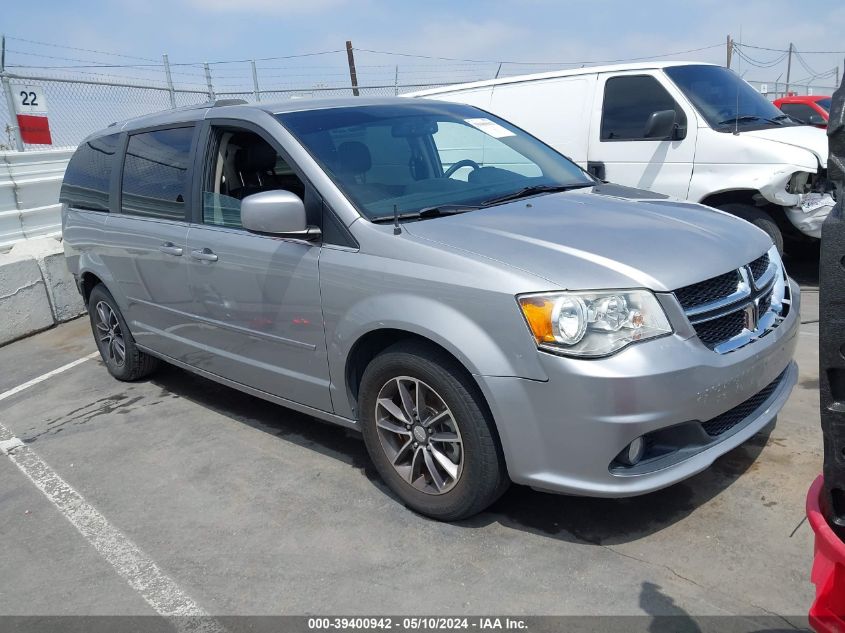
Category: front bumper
[563,434]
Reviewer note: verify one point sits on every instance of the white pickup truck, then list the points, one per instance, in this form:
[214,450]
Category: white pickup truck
[688,130]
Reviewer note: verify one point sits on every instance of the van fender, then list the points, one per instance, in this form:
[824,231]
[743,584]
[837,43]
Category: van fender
[475,348]
[91,263]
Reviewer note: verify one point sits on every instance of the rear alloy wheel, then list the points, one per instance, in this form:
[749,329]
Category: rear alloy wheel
[429,434]
[117,347]
[109,334]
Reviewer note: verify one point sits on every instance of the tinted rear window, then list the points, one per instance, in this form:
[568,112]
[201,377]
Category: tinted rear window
[155,174]
[798,111]
[86,182]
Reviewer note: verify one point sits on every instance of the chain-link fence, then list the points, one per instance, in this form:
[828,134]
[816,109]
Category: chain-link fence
[777,89]
[78,107]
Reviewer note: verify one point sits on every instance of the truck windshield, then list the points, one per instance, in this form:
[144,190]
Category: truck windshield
[423,159]
[724,99]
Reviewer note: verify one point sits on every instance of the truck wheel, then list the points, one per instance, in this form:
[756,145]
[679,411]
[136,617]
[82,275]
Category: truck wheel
[759,218]
[114,340]
[429,434]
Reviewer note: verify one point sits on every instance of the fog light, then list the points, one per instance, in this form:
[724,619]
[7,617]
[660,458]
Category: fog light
[632,453]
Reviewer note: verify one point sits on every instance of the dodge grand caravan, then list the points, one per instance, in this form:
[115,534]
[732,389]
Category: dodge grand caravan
[482,309]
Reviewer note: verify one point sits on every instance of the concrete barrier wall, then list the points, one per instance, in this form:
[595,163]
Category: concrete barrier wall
[29,194]
[36,289]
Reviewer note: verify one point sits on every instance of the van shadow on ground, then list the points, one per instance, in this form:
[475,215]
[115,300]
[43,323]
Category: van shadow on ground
[566,518]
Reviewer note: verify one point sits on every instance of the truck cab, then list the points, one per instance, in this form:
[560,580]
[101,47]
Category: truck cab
[688,130]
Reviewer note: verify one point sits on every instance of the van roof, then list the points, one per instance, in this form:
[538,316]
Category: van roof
[200,111]
[586,70]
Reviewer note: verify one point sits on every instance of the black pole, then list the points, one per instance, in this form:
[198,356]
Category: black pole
[832,326]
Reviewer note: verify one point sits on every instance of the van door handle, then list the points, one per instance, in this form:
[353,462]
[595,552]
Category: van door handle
[169,248]
[204,255]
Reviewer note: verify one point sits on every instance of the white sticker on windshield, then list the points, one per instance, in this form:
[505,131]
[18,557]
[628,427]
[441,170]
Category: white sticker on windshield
[490,127]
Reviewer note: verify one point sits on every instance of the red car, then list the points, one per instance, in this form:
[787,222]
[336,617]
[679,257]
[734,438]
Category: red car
[809,109]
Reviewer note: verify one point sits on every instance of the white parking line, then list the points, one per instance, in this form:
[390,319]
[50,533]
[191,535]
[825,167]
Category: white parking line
[49,374]
[141,573]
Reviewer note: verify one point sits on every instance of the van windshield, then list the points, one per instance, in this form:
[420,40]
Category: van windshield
[416,156]
[724,99]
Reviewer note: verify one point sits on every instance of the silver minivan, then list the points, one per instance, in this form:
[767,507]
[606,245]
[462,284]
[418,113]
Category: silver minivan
[478,306]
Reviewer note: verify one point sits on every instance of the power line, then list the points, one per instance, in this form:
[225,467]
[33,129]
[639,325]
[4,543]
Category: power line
[74,59]
[524,63]
[785,50]
[87,63]
[73,48]
[807,66]
[756,62]
[268,59]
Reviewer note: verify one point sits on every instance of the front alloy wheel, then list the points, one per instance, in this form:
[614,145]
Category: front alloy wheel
[429,432]
[419,435]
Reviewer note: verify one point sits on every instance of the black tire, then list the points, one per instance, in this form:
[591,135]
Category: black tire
[135,364]
[483,478]
[759,218]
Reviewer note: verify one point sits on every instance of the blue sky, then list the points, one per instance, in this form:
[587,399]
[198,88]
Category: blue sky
[531,30]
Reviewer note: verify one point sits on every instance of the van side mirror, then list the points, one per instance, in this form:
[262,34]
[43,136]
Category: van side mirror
[279,213]
[662,125]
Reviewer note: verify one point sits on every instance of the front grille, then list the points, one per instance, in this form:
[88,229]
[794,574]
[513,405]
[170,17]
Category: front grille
[709,290]
[729,419]
[715,331]
[718,308]
[759,266]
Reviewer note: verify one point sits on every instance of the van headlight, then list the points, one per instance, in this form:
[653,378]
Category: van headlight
[591,324]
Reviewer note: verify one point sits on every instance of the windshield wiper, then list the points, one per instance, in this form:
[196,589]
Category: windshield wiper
[446,209]
[534,190]
[740,119]
[428,212]
[779,119]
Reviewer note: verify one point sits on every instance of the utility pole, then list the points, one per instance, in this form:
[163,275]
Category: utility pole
[836,85]
[729,52]
[788,69]
[353,76]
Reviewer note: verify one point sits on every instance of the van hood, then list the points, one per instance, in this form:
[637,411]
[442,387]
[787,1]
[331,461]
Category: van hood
[602,237]
[803,136]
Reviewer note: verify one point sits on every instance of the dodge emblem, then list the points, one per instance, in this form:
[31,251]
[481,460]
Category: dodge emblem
[751,317]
